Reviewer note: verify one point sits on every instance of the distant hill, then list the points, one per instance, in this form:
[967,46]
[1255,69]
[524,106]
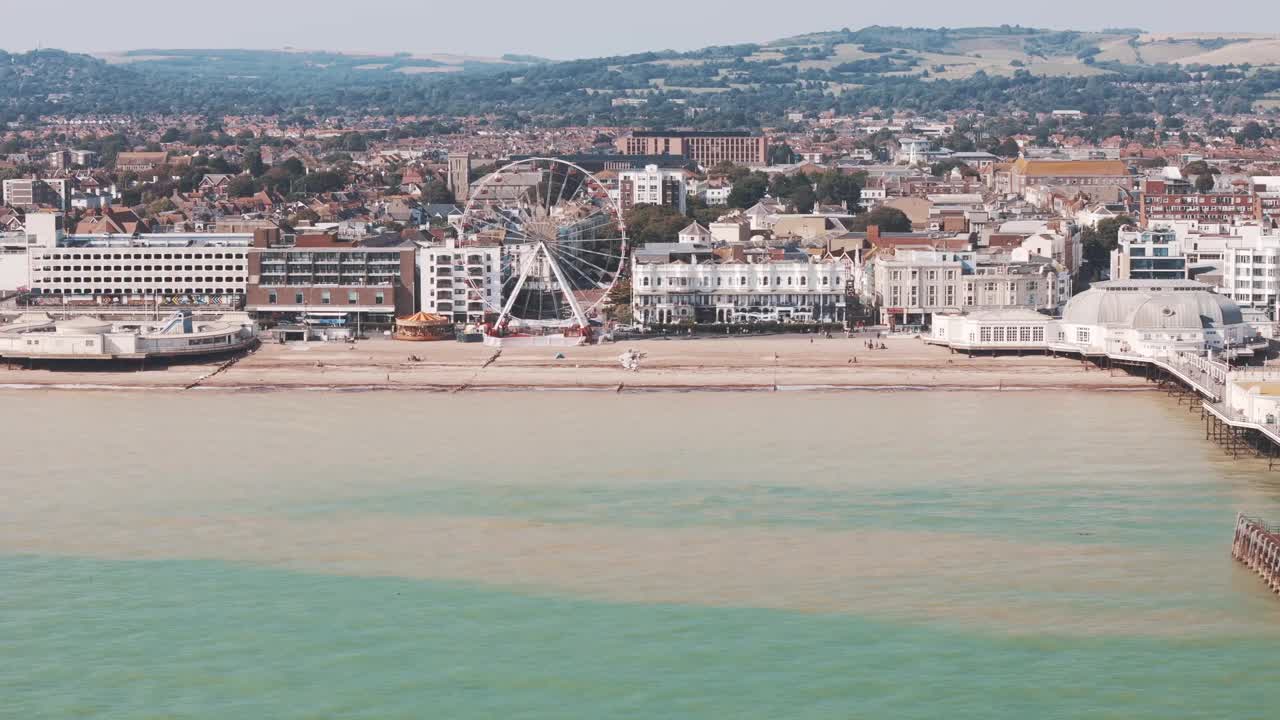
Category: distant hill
[260,63]
[992,69]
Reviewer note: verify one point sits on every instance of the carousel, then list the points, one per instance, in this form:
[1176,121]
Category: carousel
[424,327]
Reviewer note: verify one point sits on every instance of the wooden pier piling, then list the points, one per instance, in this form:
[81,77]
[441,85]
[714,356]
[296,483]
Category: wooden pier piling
[1257,546]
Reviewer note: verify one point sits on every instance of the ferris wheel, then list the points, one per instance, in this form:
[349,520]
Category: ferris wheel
[562,242]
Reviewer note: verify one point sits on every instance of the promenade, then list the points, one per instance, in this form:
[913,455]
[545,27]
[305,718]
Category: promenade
[756,363]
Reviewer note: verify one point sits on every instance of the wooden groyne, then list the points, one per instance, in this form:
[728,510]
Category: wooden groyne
[1257,545]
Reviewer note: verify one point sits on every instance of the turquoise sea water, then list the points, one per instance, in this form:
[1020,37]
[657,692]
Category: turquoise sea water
[550,556]
[207,640]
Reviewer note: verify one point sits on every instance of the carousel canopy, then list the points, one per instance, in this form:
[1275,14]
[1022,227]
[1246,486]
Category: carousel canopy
[423,319]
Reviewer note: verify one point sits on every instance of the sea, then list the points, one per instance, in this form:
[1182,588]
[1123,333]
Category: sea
[310,555]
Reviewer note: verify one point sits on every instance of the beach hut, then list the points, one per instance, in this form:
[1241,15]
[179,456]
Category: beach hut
[424,327]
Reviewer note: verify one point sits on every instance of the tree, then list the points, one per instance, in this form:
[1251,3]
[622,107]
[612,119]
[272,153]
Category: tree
[1099,241]
[241,186]
[654,224]
[749,190]
[1007,148]
[1205,183]
[617,304]
[437,193]
[804,198]
[836,188]
[888,219]
[1251,133]
[780,154]
[320,182]
[170,136]
[253,163]
[944,167]
[163,205]
[697,210]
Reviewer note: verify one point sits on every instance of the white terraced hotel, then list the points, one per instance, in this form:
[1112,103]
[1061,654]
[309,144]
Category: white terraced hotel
[709,290]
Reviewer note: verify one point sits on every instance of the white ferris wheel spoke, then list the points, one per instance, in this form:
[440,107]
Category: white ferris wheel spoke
[576,248]
[567,290]
[590,280]
[571,253]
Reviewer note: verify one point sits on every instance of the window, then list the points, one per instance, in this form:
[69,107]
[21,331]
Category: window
[271,297]
[1024,334]
[1082,335]
[297,299]
[378,299]
[353,297]
[1037,334]
[997,334]
[986,334]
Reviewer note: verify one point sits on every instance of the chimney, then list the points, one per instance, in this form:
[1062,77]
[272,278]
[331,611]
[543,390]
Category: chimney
[873,234]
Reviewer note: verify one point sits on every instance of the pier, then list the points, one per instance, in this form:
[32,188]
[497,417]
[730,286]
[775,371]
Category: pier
[1257,546]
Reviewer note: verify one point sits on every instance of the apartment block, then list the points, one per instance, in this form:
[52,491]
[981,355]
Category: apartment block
[705,148]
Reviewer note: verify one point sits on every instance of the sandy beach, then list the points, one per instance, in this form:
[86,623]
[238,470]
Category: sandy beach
[787,362]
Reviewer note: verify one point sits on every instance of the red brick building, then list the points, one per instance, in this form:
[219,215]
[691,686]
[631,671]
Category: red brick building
[705,148]
[1167,201]
[319,277]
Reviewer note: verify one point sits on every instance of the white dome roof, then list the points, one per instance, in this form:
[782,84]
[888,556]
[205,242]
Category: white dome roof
[1186,310]
[1100,307]
[1160,307]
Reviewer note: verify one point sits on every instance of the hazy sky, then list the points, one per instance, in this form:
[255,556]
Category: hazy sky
[557,28]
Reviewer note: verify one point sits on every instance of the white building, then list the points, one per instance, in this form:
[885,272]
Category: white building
[732,292]
[912,285]
[464,283]
[37,336]
[652,186]
[1140,319]
[175,268]
[694,233]
[912,150]
[717,196]
[1148,255]
[1244,262]
[32,193]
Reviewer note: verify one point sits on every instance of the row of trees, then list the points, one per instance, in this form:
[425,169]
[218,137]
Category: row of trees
[749,93]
